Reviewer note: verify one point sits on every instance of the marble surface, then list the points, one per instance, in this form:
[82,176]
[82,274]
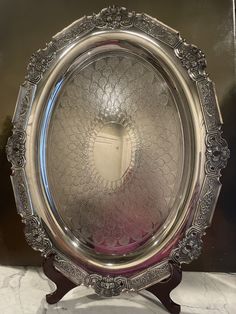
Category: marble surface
[22,291]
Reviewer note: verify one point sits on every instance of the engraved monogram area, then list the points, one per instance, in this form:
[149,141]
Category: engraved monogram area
[115,153]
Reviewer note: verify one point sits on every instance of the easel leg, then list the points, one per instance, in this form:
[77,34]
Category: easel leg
[163,289]
[63,284]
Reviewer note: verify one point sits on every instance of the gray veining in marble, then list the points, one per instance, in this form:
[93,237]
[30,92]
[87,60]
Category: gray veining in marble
[22,291]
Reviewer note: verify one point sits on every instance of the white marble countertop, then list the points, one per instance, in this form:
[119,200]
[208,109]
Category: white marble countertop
[22,291]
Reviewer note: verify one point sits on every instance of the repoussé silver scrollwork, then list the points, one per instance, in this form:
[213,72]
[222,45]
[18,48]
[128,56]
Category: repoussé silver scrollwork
[15,148]
[189,248]
[217,153]
[193,59]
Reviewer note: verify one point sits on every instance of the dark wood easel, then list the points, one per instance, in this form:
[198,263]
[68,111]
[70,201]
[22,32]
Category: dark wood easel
[161,290]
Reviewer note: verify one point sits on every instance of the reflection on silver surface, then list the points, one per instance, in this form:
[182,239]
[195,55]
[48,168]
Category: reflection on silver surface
[115,153]
[112,152]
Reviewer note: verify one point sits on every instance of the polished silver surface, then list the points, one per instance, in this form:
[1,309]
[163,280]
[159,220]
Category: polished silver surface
[117,150]
[114,153]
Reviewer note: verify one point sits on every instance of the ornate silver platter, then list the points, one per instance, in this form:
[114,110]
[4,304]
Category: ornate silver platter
[116,151]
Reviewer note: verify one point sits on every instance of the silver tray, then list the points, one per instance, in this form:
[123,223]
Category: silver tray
[116,151]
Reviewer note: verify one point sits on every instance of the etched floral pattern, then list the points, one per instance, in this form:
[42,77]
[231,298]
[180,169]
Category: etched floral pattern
[157,30]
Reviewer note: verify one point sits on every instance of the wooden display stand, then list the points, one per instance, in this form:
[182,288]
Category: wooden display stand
[161,290]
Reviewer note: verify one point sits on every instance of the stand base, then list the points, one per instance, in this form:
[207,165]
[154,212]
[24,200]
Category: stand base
[63,284]
[161,290]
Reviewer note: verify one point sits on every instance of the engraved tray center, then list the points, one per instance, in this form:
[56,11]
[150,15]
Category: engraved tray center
[115,153]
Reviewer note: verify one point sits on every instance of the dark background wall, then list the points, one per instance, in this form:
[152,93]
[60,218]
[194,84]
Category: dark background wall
[26,25]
